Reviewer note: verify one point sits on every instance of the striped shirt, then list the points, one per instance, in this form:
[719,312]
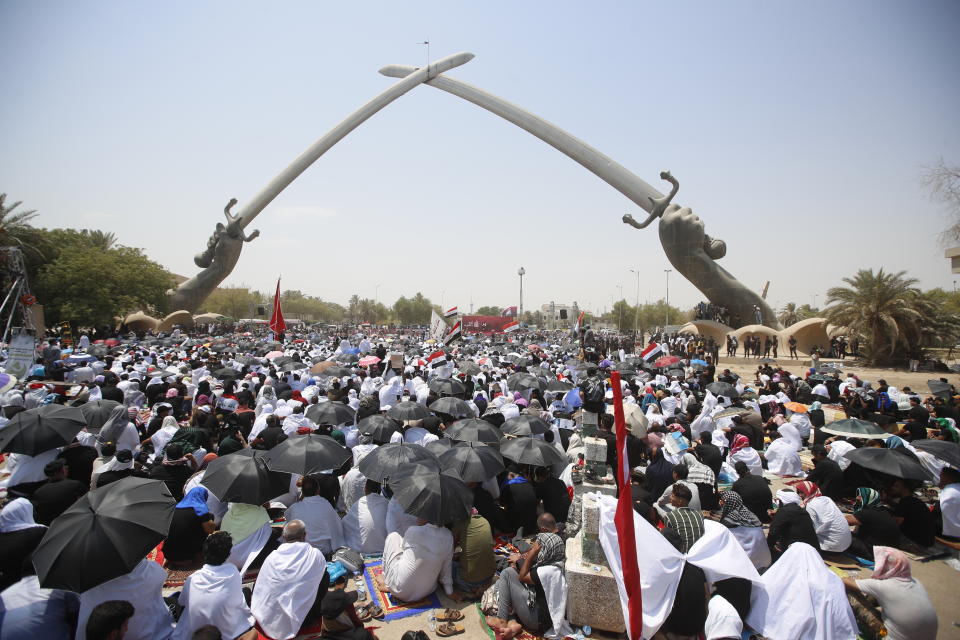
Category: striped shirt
[686,522]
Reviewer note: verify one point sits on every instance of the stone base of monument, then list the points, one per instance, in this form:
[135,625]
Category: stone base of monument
[606,488]
[592,596]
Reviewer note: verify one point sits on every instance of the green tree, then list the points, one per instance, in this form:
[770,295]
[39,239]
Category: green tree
[883,308]
[16,230]
[102,240]
[415,310]
[789,314]
[489,311]
[943,181]
[234,302]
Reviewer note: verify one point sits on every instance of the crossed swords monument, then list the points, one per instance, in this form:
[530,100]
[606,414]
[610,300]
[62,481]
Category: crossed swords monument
[689,249]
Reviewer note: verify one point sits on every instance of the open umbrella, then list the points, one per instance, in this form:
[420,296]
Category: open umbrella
[408,410]
[531,451]
[524,381]
[559,386]
[435,497]
[938,388]
[346,358]
[949,452]
[366,361]
[820,377]
[244,477]
[437,447]
[104,535]
[307,454]
[796,407]
[468,367]
[767,360]
[702,363]
[97,412]
[332,413]
[322,366]
[37,430]
[472,461]
[270,355]
[732,411]
[452,407]
[856,428]
[473,430]
[379,427]
[388,460]
[293,366]
[666,361]
[524,425]
[225,373]
[337,371]
[895,462]
[282,360]
[724,389]
[447,386]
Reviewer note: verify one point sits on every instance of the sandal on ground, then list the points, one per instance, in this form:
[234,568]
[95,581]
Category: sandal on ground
[449,615]
[448,629]
[364,613]
[375,611]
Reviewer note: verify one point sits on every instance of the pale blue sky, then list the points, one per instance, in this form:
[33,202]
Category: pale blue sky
[799,132]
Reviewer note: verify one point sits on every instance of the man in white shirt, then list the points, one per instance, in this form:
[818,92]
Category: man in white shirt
[833,531]
[365,525]
[413,563]
[398,520]
[324,530]
[213,595]
[142,588]
[289,584]
[950,501]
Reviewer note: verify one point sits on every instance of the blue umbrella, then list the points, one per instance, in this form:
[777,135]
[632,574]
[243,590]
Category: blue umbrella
[698,361]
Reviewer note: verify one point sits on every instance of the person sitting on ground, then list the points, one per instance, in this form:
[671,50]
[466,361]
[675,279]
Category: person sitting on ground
[191,524]
[949,505]
[476,564]
[324,529]
[791,523]
[687,522]
[754,490]
[519,499]
[19,536]
[741,451]
[414,562]
[142,587]
[907,611]
[553,493]
[745,527]
[689,613]
[213,595]
[703,478]
[831,526]
[826,473]
[365,525]
[290,586]
[27,611]
[782,455]
[875,525]
[911,514]
[109,620]
[339,617]
[516,589]
[57,494]
[680,474]
[175,468]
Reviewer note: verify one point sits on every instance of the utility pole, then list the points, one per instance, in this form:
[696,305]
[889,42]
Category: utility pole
[666,312]
[521,272]
[636,315]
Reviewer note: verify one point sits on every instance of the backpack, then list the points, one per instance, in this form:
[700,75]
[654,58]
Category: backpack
[593,390]
[351,560]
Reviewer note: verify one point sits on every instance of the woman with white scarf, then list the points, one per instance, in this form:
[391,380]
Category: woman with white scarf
[19,536]
[741,451]
[782,456]
[168,429]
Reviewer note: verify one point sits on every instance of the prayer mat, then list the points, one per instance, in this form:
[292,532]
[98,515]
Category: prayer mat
[393,608]
[491,634]
[176,577]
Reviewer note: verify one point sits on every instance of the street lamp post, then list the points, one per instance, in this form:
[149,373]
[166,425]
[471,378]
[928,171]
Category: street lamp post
[620,322]
[636,315]
[521,272]
[666,312]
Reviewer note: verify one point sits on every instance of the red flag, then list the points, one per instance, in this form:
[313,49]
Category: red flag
[624,519]
[276,320]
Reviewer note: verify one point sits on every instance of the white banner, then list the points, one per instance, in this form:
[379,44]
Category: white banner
[21,354]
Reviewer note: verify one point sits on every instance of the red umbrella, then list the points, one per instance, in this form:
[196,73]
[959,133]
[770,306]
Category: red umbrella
[366,361]
[666,361]
[111,342]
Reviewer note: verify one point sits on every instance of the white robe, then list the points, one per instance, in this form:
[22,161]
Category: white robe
[286,588]
[755,544]
[245,551]
[831,526]
[782,456]
[142,588]
[365,525]
[213,595]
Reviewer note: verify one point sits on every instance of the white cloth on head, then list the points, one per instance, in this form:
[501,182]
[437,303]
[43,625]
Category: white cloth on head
[324,529]
[950,508]
[17,515]
[365,525]
[143,588]
[24,468]
[245,551]
[723,621]
[831,526]
[414,562]
[351,488]
[782,455]
[748,456]
[286,588]
[837,449]
[802,422]
[799,581]
[213,596]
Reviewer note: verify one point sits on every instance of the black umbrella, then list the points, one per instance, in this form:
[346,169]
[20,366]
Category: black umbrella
[347,358]
[37,430]
[438,447]
[279,361]
[452,407]
[724,389]
[468,367]
[332,413]
[524,425]
[938,388]
[307,454]
[559,386]
[856,428]
[388,460]
[472,461]
[336,371]
[293,366]
[244,477]
[448,386]
[474,430]
[949,452]
[226,372]
[531,451]
[378,427]
[435,497]
[104,535]
[97,412]
[524,381]
[895,462]
[408,410]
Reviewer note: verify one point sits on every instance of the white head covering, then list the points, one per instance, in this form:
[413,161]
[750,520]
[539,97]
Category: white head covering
[788,497]
[286,588]
[17,515]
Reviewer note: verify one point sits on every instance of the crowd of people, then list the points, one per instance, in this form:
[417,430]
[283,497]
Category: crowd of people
[702,444]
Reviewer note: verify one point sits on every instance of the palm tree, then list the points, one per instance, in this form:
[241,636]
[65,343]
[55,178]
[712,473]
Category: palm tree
[15,228]
[103,240]
[789,315]
[883,308]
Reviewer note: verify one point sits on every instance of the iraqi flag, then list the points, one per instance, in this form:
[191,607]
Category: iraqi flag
[579,323]
[453,334]
[449,313]
[276,318]
[511,326]
[651,352]
[623,519]
[509,312]
[436,359]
